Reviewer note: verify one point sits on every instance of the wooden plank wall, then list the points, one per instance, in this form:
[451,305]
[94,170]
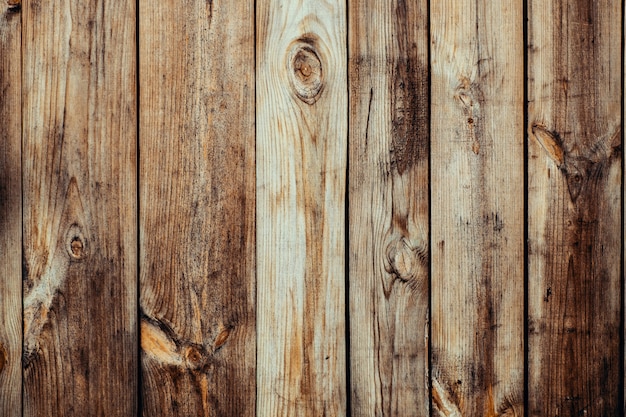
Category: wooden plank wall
[304,208]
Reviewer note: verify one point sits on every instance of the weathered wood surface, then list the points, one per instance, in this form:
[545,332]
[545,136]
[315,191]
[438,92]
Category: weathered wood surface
[248,139]
[79,165]
[574,207]
[477,157]
[301,174]
[197,207]
[388,201]
[10,211]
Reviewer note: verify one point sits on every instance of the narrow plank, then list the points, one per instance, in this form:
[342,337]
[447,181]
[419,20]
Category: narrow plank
[477,207]
[574,207]
[197,205]
[79,156]
[388,192]
[301,174]
[10,211]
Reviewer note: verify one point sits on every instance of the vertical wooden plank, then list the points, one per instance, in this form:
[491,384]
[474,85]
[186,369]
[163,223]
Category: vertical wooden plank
[10,211]
[197,207]
[574,207]
[79,144]
[301,173]
[388,192]
[477,207]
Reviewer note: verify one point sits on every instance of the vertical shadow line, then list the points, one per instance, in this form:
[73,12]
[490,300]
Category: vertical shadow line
[620,395]
[256,212]
[139,388]
[430,223]
[347,226]
[23,260]
[525,211]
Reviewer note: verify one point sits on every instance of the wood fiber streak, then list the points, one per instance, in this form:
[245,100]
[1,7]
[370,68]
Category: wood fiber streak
[574,207]
[10,213]
[79,156]
[197,204]
[301,175]
[477,208]
[388,192]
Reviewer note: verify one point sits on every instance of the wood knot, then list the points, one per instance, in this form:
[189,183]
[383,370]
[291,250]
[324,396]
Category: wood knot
[404,261]
[76,243]
[305,69]
[194,357]
[14,5]
[550,142]
[76,247]
[221,337]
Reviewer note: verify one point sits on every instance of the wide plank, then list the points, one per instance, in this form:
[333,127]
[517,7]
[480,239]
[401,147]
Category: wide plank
[574,207]
[301,175]
[388,207]
[477,207]
[10,210]
[197,205]
[80,240]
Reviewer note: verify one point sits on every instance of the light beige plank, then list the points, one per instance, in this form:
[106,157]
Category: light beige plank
[477,207]
[301,174]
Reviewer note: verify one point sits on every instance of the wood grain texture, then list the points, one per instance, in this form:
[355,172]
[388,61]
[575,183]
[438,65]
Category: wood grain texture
[79,160]
[388,193]
[10,211]
[574,207]
[477,208]
[197,207]
[301,174]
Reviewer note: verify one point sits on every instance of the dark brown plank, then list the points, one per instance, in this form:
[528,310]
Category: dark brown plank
[388,192]
[79,144]
[10,211]
[574,207]
[197,197]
